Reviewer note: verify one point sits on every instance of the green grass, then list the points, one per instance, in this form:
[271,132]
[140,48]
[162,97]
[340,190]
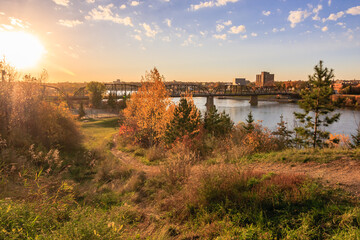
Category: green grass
[99,133]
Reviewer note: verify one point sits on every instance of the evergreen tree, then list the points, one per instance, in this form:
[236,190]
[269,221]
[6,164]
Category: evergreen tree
[111,102]
[249,127]
[316,103]
[283,134]
[186,121]
[81,111]
[356,138]
[217,124]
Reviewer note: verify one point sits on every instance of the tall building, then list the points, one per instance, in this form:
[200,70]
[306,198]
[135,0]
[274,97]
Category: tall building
[265,79]
[239,81]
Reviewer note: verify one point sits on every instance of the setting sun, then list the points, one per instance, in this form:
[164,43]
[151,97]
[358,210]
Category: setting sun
[20,49]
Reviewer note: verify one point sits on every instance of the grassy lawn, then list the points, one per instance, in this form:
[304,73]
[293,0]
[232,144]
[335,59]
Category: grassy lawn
[99,133]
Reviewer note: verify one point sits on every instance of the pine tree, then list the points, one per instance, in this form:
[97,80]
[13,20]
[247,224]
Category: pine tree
[111,102]
[356,138]
[249,127]
[316,103]
[81,111]
[217,124]
[186,121]
[283,134]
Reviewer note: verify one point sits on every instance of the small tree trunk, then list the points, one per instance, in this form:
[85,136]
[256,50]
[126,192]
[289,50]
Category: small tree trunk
[316,122]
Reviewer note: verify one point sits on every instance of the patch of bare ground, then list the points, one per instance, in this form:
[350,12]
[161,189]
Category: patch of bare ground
[343,173]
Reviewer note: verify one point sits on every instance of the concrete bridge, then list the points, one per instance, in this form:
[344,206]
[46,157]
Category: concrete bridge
[198,90]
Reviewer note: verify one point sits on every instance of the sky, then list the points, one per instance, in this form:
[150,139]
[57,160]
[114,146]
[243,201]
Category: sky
[187,40]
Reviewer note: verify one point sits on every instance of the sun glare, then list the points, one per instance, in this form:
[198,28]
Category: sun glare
[20,49]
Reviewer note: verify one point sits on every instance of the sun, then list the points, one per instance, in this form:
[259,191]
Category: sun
[20,49]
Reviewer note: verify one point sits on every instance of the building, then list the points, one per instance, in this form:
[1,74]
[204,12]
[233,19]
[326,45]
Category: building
[338,85]
[240,81]
[265,79]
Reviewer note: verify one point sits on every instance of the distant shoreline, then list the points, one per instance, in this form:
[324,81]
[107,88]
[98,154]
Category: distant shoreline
[279,100]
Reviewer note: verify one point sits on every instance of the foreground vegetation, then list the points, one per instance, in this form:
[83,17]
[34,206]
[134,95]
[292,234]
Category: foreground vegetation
[62,178]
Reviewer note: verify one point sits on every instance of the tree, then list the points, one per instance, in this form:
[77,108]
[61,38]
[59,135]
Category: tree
[283,134]
[111,102]
[356,138]
[96,90]
[249,127]
[149,110]
[317,105]
[217,124]
[186,121]
[81,111]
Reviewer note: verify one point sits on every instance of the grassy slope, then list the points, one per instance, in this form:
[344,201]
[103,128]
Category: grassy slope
[216,203]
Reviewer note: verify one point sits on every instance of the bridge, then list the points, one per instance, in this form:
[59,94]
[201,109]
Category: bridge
[198,90]
[120,90]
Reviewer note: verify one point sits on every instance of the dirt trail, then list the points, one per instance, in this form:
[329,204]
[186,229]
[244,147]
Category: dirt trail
[134,163]
[342,173]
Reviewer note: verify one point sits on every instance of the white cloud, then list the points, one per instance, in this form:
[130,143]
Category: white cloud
[324,29]
[219,27]
[316,12]
[148,31]
[217,3]
[334,17]
[123,6]
[137,37]
[237,29]
[105,13]
[62,2]
[166,39]
[254,34]
[227,23]
[2,13]
[69,23]
[329,3]
[244,37]
[275,30]
[298,16]
[168,22]
[266,13]
[134,3]
[90,1]
[220,37]
[17,22]
[354,10]
[282,30]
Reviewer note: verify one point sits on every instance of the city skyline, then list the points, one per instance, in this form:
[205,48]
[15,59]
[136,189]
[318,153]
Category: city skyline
[191,40]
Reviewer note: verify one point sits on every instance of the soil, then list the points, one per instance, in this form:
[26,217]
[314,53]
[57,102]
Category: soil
[344,173]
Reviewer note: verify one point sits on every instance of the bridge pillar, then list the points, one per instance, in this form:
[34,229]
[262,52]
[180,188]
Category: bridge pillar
[254,100]
[209,102]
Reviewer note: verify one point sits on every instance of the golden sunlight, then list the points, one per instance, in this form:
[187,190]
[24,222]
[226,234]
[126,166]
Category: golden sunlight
[20,49]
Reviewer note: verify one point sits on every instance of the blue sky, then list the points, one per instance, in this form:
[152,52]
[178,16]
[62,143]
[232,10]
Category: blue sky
[189,40]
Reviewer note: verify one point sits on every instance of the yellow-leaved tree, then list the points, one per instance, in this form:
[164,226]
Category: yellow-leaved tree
[148,111]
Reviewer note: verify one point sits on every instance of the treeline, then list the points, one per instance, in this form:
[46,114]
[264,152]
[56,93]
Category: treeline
[153,122]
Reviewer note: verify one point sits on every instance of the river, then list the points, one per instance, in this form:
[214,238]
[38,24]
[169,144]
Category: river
[269,113]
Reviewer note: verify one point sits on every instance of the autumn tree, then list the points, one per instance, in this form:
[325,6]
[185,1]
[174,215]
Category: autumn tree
[217,124]
[149,110]
[96,90]
[185,121]
[317,105]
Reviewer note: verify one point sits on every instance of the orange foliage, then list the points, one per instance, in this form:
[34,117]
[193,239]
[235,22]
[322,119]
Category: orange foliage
[149,110]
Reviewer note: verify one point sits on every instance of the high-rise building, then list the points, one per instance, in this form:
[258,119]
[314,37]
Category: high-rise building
[265,79]
[239,81]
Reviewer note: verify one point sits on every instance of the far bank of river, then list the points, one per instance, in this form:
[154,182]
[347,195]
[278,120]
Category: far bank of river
[269,112]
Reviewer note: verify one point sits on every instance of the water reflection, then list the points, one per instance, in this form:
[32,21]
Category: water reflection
[269,113]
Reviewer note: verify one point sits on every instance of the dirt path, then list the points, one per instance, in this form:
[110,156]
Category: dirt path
[135,163]
[342,173]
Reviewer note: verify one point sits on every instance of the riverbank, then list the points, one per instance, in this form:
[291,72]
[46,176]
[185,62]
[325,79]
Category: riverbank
[263,99]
